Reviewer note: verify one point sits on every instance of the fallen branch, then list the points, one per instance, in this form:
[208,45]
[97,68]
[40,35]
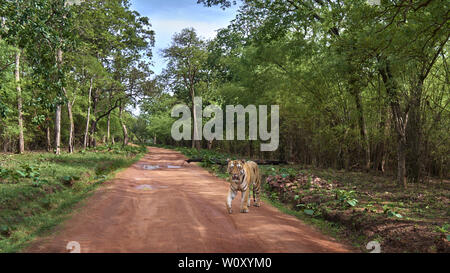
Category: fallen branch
[222,162]
[215,161]
[271,162]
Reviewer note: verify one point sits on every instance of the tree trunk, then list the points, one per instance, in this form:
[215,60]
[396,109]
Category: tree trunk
[400,120]
[361,121]
[19,103]
[88,117]
[6,145]
[108,129]
[195,143]
[92,142]
[401,174]
[387,127]
[49,139]
[413,135]
[69,108]
[72,127]
[58,130]
[291,150]
[124,127]
[210,144]
[346,159]
[58,112]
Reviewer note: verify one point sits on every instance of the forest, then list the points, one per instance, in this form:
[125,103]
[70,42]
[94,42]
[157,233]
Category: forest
[359,86]
[70,72]
[362,87]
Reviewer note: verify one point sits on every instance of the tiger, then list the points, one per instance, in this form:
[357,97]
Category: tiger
[244,174]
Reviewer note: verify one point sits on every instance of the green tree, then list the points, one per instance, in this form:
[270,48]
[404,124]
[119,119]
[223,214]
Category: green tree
[186,58]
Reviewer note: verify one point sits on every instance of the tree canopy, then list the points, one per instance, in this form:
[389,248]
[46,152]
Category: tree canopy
[359,85]
[91,58]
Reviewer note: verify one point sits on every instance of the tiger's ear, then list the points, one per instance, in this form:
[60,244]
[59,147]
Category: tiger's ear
[228,160]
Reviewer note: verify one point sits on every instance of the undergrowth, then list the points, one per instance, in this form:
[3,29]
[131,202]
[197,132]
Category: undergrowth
[38,190]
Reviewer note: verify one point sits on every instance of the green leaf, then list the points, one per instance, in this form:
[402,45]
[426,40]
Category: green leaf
[309,212]
[22,174]
[352,202]
[4,228]
[67,178]
[391,213]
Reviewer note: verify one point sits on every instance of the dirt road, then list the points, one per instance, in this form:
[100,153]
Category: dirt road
[178,207]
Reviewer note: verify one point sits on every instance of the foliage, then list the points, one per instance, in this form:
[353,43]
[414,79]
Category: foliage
[37,190]
[351,80]
[389,212]
[346,197]
[104,52]
[118,149]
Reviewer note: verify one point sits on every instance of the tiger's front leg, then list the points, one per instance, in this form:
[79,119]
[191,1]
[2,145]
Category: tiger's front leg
[245,200]
[231,196]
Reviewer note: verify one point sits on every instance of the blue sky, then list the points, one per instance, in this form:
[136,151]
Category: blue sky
[171,16]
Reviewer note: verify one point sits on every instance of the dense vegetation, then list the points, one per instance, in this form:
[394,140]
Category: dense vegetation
[68,73]
[359,86]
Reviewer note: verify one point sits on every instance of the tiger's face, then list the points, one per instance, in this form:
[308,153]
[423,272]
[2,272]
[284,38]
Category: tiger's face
[236,169]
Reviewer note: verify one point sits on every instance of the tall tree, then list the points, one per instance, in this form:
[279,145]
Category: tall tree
[186,63]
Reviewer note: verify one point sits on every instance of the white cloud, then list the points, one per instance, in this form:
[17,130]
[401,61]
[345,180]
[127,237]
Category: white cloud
[168,27]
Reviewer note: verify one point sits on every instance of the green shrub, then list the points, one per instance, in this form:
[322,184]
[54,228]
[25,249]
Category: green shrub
[346,197]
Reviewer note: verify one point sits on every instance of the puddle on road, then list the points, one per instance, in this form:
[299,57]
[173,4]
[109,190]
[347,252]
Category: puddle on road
[140,179]
[150,167]
[147,187]
[155,167]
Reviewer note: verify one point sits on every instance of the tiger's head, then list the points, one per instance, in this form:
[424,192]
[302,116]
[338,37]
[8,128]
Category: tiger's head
[235,169]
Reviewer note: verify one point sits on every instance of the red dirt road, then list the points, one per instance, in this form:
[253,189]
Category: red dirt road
[178,210]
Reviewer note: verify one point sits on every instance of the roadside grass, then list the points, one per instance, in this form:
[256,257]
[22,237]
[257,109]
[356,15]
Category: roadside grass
[39,190]
[356,207]
[332,229]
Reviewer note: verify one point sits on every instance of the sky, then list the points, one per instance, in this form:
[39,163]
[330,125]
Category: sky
[171,16]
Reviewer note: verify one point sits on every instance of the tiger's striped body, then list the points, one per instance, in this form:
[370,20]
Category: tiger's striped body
[244,174]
